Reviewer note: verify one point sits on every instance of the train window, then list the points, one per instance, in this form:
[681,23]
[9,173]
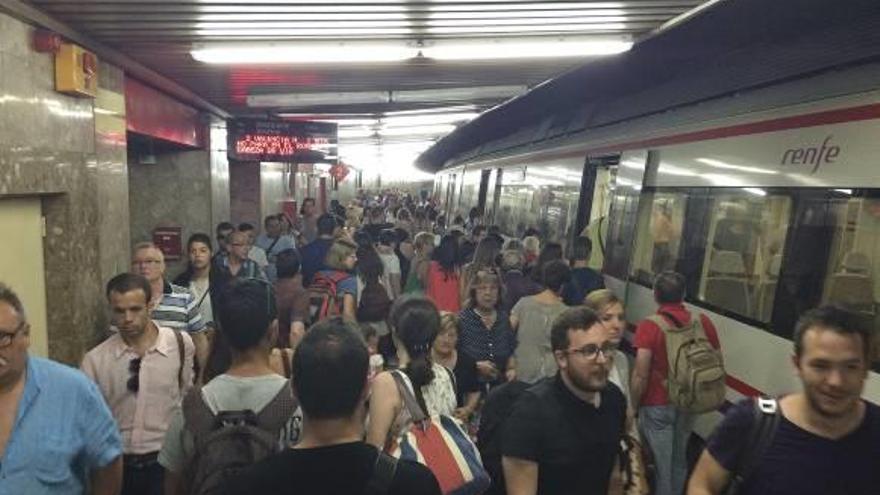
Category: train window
[541,197]
[658,234]
[852,277]
[622,214]
[741,267]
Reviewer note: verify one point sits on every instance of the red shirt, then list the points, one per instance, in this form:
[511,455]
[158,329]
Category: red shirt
[443,288]
[650,336]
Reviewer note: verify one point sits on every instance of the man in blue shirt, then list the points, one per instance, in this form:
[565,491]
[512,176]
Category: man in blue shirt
[313,253]
[56,433]
[273,242]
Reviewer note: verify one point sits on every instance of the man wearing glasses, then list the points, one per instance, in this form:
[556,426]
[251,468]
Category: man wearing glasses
[170,306]
[144,370]
[56,434]
[564,432]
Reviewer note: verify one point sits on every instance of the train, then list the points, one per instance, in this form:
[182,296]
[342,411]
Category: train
[767,200]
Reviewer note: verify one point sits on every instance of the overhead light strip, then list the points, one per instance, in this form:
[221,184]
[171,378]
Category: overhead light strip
[394,51]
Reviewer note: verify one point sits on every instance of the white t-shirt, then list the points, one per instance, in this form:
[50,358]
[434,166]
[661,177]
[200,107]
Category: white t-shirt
[227,393]
[391,263]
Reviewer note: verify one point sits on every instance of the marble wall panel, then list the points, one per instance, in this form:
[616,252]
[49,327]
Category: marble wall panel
[48,149]
[220,198]
[272,187]
[244,190]
[174,192]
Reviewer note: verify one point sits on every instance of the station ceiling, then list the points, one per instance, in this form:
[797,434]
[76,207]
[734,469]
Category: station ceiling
[160,34]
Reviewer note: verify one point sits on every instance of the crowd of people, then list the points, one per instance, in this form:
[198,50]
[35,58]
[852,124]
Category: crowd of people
[298,360]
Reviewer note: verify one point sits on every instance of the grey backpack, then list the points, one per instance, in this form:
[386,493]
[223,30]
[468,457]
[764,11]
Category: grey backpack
[229,441]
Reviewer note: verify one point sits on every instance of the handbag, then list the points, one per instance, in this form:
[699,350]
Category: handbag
[440,444]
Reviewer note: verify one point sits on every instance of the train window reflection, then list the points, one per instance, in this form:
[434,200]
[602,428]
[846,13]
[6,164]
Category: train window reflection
[744,246]
[658,234]
[853,272]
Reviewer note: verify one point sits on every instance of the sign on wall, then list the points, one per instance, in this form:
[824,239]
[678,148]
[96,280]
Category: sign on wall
[281,141]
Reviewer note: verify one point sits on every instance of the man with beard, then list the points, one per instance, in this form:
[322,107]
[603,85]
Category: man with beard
[563,435]
[143,371]
[827,440]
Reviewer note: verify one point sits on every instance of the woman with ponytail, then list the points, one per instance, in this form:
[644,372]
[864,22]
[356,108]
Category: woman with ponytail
[415,323]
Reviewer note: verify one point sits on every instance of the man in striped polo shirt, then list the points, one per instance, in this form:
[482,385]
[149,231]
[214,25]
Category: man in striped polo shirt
[171,306]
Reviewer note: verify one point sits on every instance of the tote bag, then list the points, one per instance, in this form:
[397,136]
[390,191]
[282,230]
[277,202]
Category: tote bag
[439,443]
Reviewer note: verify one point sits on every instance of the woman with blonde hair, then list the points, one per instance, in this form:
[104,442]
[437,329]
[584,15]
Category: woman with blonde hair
[338,279]
[445,351]
[610,310]
[417,279]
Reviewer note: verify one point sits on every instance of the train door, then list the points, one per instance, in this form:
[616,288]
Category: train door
[450,199]
[597,186]
[495,188]
[22,267]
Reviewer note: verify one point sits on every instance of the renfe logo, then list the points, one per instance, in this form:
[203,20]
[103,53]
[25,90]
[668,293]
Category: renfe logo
[815,156]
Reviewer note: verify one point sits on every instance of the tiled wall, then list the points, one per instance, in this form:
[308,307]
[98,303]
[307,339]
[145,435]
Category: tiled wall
[48,149]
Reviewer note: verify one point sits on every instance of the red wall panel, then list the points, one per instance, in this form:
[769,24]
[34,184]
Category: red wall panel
[152,113]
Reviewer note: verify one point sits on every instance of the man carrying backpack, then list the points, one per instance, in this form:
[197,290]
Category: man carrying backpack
[241,416]
[330,378]
[666,406]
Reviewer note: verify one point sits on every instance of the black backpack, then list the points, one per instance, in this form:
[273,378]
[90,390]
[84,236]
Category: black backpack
[229,441]
[498,407]
[374,304]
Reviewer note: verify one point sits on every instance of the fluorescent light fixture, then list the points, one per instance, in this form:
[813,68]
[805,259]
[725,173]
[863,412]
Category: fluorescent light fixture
[447,118]
[844,191]
[756,191]
[313,99]
[293,100]
[311,52]
[417,130]
[457,94]
[500,49]
[305,52]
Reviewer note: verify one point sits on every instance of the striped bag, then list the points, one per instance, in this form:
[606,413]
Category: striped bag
[441,444]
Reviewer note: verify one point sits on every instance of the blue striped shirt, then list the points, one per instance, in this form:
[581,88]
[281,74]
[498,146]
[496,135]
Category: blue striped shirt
[178,310]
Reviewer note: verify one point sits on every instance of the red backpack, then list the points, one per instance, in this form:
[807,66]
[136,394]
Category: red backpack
[324,300]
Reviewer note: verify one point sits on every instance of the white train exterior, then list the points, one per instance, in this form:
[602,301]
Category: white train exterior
[797,164]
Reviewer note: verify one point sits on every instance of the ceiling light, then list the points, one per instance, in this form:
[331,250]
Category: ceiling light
[499,49]
[255,53]
[417,130]
[305,52]
[293,100]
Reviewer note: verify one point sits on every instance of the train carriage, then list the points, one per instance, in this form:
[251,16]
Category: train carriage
[767,201]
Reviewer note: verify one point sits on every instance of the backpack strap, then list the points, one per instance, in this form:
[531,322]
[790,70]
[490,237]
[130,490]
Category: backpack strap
[285,362]
[409,399]
[197,415]
[275,415]
[383,475]
[767,415]
[180,352]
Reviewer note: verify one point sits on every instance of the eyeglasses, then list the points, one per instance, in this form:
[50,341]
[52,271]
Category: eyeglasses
[134,381]
[591,351]
[6,338]
[145,262]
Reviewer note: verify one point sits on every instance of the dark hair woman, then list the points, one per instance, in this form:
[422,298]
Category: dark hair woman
[443,276]
[415,323]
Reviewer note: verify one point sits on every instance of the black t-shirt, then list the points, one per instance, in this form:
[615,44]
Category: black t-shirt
[799,462]
[341,469]
[574,443]
[466,380]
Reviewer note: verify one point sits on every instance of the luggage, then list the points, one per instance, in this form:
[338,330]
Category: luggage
[695,382]
[439,443]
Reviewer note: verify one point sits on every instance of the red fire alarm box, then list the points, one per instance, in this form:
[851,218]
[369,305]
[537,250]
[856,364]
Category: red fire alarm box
[168,240]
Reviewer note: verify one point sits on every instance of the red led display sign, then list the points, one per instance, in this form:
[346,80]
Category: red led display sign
[276,141]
